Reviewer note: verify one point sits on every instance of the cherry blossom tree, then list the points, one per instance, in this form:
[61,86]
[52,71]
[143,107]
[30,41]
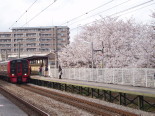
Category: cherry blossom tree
[126,44]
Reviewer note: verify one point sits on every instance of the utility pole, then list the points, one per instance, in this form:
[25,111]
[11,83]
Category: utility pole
[102,51]
[92,55]
[6,54]
[18,49]
[102,54]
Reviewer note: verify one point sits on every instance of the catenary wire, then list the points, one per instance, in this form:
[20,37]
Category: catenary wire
[121,11]
[132,7]
[137,9]
[23,14]
[88,12]
[102,11]
[40,12]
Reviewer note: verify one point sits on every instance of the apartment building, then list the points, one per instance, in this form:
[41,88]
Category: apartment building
[33,40]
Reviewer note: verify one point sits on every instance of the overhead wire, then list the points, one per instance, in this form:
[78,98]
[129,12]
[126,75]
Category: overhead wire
[40,12]
[133,7]
[121,11]
[88,12]
[23,14]
[138,9]
[102,11]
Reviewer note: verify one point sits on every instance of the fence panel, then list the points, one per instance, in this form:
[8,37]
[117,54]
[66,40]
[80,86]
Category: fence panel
[139,75]
[150,76]
[108,75]
[118,76]
[131,76]
[100,77]
[127,77]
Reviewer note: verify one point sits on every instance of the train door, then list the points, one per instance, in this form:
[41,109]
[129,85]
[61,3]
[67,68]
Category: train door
[19,71]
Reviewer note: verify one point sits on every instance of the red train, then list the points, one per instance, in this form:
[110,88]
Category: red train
[15,71]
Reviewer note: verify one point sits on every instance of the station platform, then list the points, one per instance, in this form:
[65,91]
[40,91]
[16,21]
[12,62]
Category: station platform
[140,97]
[143,91]
[7,108]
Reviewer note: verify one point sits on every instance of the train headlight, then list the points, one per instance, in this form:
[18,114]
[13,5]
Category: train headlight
[25,74]
[13,74]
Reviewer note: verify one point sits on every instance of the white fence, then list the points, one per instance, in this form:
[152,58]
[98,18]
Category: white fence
[132,76]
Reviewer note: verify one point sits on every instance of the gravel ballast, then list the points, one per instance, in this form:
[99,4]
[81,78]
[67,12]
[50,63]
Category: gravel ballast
[56,108]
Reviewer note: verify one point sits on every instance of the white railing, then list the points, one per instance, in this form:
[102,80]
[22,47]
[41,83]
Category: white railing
[126,76]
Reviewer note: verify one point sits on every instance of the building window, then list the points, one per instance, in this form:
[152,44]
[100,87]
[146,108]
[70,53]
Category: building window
[5,45]
[3,50]
[44,44]
[18,35]
[44,29]
[44,49]
[16,49]
[8,50]
[5,35]
[45,35]
[5,40]
[30,34]
[2,45]
[18,40]
[8,45]
[15,45]
[44,39]
[31,44]
[31,49]
[31,39]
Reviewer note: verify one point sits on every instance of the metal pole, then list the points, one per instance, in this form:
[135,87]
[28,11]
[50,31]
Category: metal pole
[147,61]
[102,53]
[55,60]
[92,61]
[5,54]
[56,48]
[92,55]
[16,42]
[18,49]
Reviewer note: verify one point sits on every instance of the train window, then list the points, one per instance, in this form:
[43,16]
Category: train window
[13,64]
[19,67]
[25,65]
[12,71]
[18,60]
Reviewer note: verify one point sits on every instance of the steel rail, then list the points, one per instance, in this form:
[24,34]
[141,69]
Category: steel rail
[30,106]
[77,102]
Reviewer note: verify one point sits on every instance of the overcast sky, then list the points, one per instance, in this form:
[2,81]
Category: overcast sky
[63,11]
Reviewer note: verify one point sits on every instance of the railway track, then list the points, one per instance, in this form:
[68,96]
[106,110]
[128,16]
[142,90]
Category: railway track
[92,107]
[28,108]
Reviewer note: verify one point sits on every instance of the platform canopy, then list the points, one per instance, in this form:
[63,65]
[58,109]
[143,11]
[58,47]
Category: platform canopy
[39,56]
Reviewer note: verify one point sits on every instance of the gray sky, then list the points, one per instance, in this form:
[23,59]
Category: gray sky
[62,11]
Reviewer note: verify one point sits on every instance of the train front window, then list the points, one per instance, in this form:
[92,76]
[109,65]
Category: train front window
[25,67]
[13,64]
[19,68]
[25,64]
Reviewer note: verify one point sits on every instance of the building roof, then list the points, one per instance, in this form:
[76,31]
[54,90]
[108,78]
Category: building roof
[33,56]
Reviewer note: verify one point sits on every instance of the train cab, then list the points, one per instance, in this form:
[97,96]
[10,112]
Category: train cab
[15,71]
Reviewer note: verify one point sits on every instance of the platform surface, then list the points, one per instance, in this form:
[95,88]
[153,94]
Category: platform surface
[7,108]
[150,92]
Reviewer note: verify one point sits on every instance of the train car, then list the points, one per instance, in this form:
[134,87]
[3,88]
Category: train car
[15,71]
